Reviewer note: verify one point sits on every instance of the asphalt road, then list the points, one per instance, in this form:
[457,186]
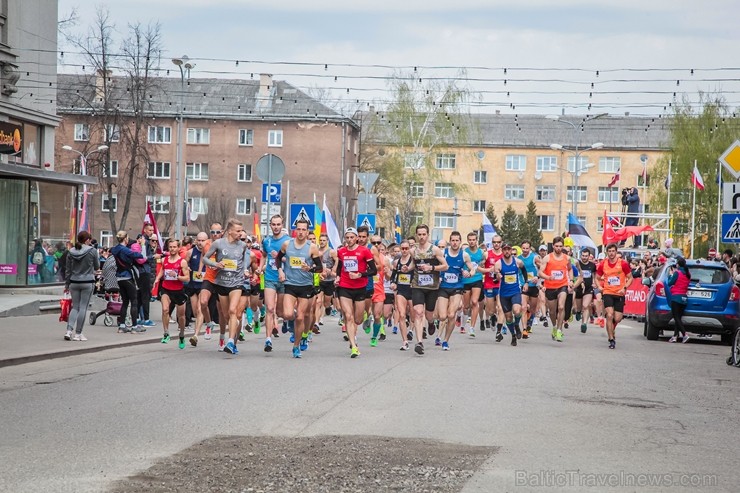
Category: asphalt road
[576,416]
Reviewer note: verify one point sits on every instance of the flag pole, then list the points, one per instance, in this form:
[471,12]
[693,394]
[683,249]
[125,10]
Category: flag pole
[693,211]
[668,201]
[719,203]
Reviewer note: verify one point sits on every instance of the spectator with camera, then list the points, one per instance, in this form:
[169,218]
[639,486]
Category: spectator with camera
[631,200]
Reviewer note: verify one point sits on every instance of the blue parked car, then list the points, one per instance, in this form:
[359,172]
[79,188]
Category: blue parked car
[714,301]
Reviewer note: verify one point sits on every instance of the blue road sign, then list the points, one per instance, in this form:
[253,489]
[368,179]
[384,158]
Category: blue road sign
[366,220]
[302,211]
[275,192]
[730,228]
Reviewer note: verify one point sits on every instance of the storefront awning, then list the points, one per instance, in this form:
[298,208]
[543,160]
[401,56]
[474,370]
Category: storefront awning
[32,173]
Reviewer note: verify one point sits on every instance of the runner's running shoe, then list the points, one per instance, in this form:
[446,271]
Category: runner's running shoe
[165,338]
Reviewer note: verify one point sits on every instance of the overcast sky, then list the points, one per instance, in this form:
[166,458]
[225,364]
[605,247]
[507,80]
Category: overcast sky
[576,38]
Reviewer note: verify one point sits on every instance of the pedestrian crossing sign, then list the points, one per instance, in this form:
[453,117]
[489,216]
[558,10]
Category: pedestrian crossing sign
[306,212]
[730,228]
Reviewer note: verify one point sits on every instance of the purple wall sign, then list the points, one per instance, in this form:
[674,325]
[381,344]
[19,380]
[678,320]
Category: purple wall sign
[8,269]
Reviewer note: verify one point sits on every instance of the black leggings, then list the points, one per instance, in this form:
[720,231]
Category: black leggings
[677,310]
[128,295]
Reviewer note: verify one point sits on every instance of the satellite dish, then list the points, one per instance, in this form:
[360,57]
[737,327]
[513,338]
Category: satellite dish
[538,175]
[480,155]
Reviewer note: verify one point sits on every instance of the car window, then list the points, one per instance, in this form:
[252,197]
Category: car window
[709,275]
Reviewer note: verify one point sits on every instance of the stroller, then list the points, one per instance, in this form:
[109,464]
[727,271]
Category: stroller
[113,303]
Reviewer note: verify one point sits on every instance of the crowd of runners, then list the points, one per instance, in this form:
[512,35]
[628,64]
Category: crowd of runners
[414,290]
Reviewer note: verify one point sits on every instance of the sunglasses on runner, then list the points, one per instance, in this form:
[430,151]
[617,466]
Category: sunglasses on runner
[376,242]
[216,231]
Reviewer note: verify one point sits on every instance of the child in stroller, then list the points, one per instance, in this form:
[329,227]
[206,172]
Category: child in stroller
[106,287]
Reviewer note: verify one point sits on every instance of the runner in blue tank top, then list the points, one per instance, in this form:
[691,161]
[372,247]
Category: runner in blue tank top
[531,291]
[193,287]
[473,287]
[459,267]
[508,268]
[274,289]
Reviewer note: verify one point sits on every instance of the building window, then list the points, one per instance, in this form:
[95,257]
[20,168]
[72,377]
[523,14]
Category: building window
[198,205]
[445,161]
[106,238]
[199,136]
[246,137]
[380,203]
[582,220]
[243,207]
[160,135]
[479,206]
[244,172]
[82,132]
[110,203]
[111,171]
[381,232]
[275,138]
[582,163]
[416,189]
[413,161]
[158,171]
[416,218]
[609,164]
[547,163]
[514,192]
[581,194]
[160,203]
[516,162]
[545,193]
[444,190]
[605,197]
[600,225]
[547,223]
[480,177]
[444,220]
[112,133]
[197,171]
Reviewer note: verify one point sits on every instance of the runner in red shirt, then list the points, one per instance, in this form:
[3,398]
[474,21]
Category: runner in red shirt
[491,286]
[174,274]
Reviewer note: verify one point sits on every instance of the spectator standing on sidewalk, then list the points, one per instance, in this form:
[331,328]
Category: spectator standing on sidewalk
[150,249]
[81,263]
[127,275]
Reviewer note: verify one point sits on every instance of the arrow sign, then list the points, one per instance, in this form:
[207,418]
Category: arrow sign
[305,212]
[367,180]
[731,228]
[367,220]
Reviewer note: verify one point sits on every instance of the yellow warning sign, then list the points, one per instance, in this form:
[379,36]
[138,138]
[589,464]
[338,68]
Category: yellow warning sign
[731,159]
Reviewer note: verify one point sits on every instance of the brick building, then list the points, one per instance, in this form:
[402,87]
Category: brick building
[227,126]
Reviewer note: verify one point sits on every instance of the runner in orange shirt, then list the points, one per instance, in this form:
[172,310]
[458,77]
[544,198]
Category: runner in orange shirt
[556,270]
[613,276]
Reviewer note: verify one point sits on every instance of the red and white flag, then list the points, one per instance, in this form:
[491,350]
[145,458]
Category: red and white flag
[696,179]
[614,180]
[149,219]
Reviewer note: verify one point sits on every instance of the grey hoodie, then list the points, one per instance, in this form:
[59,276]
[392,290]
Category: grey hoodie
[81,265]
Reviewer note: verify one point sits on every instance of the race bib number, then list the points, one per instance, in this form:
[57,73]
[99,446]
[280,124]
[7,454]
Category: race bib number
[530,276]
[451,277]
[425,280]
[229,265]
[587,274]
[197,276]
[613,281]
[510,279]
[170,275]
[296,262]
[350,265]
[376,278]
[404,278]
[271,263]
[558,275]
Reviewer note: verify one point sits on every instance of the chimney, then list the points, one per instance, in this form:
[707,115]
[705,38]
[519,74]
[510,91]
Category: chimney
[626,113]
[498,112]
[265,86]
[100,84]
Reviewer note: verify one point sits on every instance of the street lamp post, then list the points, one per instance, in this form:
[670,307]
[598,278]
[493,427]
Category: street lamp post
[183,64]
[83,172]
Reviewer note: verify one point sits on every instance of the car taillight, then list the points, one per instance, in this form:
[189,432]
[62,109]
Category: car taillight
[735,293]
[659,289]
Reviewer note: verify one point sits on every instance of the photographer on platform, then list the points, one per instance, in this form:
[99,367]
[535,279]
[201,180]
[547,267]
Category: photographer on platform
[631,200]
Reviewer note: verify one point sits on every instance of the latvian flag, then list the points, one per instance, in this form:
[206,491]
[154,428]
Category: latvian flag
[696,179]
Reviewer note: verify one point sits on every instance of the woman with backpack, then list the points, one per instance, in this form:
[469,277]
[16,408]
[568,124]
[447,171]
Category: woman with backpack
[127,275]
[81,264]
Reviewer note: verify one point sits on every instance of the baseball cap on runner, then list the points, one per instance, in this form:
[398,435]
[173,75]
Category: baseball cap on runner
[350,230]
[542,247]
[505,245]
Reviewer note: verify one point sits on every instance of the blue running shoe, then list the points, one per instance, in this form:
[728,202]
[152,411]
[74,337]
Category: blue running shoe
[285,327]
[445,346]
[304,344]
[438,342]
[148,323]
[268,346]
[230,348]
[395,329]
[292,338]
[503,330]
[296,352]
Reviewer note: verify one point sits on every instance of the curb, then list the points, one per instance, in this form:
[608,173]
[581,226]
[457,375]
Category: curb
[70,352]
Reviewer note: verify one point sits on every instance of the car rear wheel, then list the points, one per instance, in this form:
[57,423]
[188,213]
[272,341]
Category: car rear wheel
[651,331]
[736,348]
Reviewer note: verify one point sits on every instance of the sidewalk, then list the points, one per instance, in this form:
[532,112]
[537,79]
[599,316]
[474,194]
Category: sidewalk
[35,338]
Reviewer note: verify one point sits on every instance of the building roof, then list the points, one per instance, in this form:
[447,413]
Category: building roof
[235,99]
[540,131]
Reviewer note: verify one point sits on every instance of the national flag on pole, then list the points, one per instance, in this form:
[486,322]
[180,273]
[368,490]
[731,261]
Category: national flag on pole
[578,233]
[488,231]
[696,179]
[398,227]
[149,219]
[317,221]
[256,230]
[610,235]
[614,180]
[335,240]
[644,173]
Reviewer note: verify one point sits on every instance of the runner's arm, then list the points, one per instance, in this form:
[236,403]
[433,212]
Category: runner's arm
[372,269]
[442,261]
[185,277]
[206,257]
[541,271]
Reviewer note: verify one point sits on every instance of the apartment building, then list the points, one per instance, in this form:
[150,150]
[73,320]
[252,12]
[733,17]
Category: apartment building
[512,159]
[227,126]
